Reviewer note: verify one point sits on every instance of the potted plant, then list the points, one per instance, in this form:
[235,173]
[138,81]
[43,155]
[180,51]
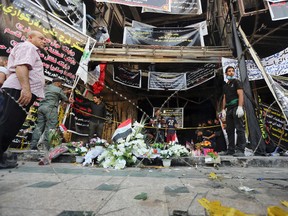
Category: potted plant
[212,157]
[157,147]
[80,152]
[166,156]
[174,150]
[78,149]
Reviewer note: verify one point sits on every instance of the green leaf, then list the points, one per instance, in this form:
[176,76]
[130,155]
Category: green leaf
[142,196]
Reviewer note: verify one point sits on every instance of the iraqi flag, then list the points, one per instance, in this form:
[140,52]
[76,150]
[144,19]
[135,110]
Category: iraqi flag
[123,130]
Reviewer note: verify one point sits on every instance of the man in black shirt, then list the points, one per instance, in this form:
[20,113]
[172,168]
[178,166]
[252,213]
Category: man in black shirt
[233,101]
[98,116]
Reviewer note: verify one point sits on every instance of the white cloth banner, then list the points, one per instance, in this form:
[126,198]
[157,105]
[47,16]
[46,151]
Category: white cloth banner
[201,25]
[164,5]
[166,81]
[276,65]
[180,7]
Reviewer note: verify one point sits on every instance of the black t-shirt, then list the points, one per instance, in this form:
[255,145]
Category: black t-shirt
[230,91]
[171,122]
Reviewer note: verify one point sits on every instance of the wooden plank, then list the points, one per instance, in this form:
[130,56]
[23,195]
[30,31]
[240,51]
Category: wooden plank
[144,59]
[156,54]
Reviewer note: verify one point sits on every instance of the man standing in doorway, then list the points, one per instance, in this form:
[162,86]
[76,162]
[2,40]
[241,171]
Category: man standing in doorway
[24,84]
[98,115]
[233,101]
[48,112]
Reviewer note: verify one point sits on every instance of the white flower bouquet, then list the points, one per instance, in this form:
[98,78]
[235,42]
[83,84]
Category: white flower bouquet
[175,150]
[125,152]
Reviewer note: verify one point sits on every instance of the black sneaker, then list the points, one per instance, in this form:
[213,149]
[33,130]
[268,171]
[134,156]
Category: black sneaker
[10,157]
[8,165]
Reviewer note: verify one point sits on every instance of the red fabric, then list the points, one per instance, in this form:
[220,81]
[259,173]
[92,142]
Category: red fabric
[57,151]
[99,85]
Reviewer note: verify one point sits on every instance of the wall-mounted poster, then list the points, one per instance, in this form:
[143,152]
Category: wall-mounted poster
[65,44]
[180,7]
[177,112]
[164,5]
[278,9]
[275,125]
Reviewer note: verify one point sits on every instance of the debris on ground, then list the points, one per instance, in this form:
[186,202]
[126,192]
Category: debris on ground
[245,188]
[142,196]
[214,208]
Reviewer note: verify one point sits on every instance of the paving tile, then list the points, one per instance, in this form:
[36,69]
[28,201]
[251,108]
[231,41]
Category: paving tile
[44,184]
[76,213]
[175,190]
[111,192]
[108,187]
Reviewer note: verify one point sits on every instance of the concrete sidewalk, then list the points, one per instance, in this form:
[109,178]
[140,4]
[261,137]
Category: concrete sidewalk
[251,161]
[70,189]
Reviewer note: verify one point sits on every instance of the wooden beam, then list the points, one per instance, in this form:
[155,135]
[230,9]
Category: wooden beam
[156,54]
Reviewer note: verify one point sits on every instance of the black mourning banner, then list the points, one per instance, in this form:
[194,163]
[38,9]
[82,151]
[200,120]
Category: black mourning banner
[180,7]
[127,77]
[200,75]
[82,114]
[276,126]
[162,36]
[65,44]
[67,10]
[153,4]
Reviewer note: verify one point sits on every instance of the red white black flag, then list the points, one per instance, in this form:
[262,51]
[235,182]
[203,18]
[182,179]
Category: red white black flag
[123,130]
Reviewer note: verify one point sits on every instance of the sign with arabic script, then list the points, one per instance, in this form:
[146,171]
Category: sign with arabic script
[278,9]
[168,112]
[163,36]
[127,77]
[67,10]
[200,75]
[181,7]
[275,125]
[65,44]
[276,65]
[166,81]
[164,5]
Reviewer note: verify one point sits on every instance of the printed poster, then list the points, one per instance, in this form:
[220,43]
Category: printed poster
[65,44]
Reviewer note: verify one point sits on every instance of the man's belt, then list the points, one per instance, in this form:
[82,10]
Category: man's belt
[232,103]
